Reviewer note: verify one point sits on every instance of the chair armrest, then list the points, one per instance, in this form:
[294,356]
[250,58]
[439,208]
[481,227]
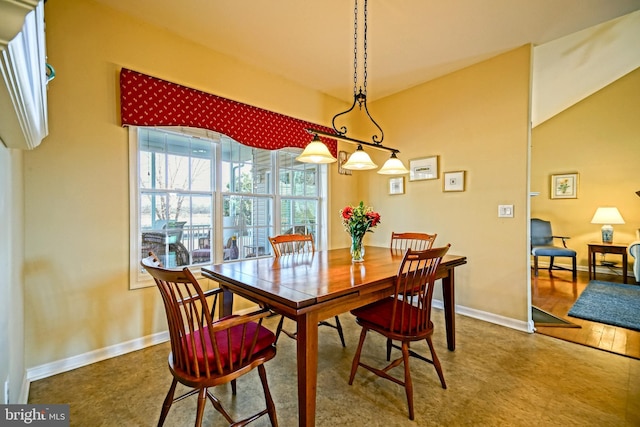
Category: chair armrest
[208,293]
[564,243]
[213,291]
[232,321]
[634,249]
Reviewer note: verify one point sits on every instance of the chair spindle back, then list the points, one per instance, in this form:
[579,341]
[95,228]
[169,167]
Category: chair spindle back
[292,244]
[200,345]
[411,313]
[400,242]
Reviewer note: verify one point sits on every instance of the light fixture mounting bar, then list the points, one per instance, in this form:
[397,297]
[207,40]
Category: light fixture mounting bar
[352,140]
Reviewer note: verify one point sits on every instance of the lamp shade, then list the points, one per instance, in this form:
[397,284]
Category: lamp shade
[393,166]
[607,215]
[316,152]
[359,161]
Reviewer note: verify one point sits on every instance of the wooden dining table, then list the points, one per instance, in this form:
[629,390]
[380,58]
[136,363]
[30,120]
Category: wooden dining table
[312,287]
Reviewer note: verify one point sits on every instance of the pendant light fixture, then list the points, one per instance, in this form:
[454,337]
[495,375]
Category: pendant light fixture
[359,160]
[316,152]
[393,166]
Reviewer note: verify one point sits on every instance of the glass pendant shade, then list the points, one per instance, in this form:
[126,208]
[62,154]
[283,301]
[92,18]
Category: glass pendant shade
[359,161]
[316,152]
[393,166]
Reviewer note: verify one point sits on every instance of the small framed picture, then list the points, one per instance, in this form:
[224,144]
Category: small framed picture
[396,185]
[342,159]
[424,168]
[453,181]
[564,186]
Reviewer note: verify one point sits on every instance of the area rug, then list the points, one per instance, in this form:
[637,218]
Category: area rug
[543,318]
[610,303]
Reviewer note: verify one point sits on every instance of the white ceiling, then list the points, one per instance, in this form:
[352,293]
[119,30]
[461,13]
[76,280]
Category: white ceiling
[410,41]
[571,68]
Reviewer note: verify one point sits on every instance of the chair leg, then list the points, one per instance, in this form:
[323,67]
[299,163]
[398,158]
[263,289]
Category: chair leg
[551,263]
[166,405]
[408,385]
[535,266]
[356,357]
[202,399]
[271,407]
[279,328]
[575,269]
[389,345]
[218,406]
[339,328]
[436,362]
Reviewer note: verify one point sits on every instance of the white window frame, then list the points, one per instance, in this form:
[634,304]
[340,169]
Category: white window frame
[140,279]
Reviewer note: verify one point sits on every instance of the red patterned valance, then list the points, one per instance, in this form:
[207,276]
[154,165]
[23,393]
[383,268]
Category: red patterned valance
[149,101]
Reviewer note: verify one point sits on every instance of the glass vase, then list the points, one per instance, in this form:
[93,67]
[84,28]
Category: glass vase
[357,249]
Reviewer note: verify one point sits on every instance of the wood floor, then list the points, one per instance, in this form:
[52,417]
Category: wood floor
[555,292]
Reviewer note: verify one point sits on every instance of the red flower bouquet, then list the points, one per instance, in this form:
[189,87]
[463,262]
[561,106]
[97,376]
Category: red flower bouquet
[357,221]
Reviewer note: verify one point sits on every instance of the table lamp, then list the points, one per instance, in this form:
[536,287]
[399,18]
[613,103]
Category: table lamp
[607,216]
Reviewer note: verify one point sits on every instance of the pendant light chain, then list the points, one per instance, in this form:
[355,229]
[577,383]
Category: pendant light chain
[316,151]
[355,49]
[365,47]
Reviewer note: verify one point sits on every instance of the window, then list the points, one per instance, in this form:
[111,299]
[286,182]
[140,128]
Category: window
[199,197]
[298,190]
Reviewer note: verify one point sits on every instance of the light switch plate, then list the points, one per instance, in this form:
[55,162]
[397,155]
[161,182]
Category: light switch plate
[505,211]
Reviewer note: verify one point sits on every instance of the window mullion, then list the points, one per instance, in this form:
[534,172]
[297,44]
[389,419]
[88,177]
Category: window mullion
[277,205]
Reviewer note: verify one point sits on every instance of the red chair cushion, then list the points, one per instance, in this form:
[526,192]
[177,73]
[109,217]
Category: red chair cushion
[378,314]
[266,338]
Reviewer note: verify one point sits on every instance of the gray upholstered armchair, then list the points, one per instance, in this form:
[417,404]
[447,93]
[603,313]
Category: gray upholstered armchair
[542,240]
[634,251]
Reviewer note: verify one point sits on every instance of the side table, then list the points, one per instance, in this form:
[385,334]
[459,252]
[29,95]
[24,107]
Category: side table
[607,248]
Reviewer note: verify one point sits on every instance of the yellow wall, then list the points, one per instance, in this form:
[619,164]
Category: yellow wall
[76,183]
[600,139]
[475,120]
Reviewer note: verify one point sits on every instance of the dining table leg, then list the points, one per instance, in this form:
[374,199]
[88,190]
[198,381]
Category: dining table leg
[307,355]
[449,308]
[225,304]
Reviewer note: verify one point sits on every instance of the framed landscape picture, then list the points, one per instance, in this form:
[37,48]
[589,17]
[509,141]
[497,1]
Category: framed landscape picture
[424,168]
[564,186]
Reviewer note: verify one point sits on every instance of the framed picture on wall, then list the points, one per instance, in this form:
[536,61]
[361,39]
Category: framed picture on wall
[396,185]
[453,181]
[342,159]
[424,168]
[564,186]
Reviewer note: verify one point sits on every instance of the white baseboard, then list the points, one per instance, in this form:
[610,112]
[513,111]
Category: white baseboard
[64,365]
[489,317]
[71,363]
